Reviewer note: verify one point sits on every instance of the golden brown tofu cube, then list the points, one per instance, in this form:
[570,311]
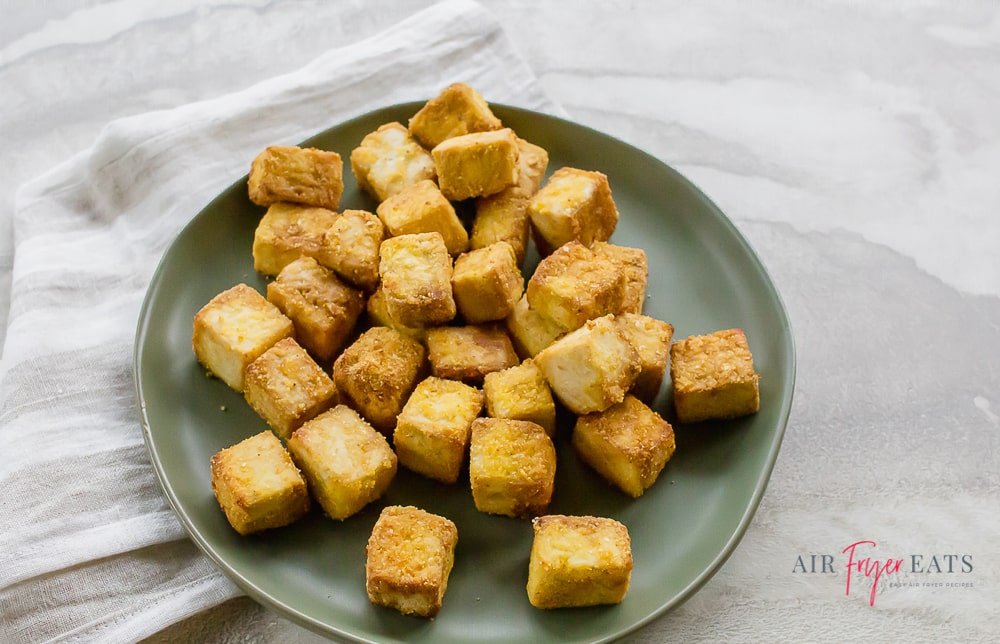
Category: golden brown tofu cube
[378,315]
[591,368]
[651,339]
[286,387]
[388,160]
[573,205]
[628,444]
[713,376]
[351,250]
[416,279]
[432,432]
[299,175]
[408,559]
[573,285]
[521,393]
[233,329]
[487,283]
[512,467]
[421,208]
[457,110]
[322,308]
[578,561]
[257,485]
[632,262]
[469,352]
[377,373]
[347,463]
[476,165]
[530,331]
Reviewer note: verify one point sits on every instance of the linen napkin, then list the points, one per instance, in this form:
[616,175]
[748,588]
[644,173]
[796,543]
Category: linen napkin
[89,548]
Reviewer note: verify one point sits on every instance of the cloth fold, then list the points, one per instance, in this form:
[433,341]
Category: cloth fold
[89,548]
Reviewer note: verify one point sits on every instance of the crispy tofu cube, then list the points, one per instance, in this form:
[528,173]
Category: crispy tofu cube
[286,387]
[573,205]
[651,339]
[378,315]
[432,432]
[299,175]
[476,165]
[521,393]
[530,331]
[416,279]
[713,376]
[578,561]
[468,353]
[573,285]
[591,368]
[628,444]
[388,160]
[347,463]
[632,262]
[347,243]
[457,110]
[377,373]
[512,467]
[421,208]
[487,283]
[322,308]
[257,485]
[233,329]
[408,559]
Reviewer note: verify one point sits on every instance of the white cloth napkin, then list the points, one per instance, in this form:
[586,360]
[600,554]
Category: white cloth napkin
[89,548]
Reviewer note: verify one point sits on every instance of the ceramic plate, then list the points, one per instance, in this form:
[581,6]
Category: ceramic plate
[703,277]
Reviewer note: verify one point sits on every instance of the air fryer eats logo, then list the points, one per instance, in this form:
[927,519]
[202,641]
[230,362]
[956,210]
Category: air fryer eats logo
[863,567]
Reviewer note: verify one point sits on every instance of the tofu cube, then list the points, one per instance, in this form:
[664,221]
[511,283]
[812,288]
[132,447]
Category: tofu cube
[416,279]
[529,330]
[628,444]
[377,373]
[512,467]
[421,208]
[286,387]
[233,329]
[578,561]
[651,339]
[713,377]
[322,308]
[487,283]
[409,557]
[257,485]
[432,432]
[591,368]
[521,393]
[468,353]
[457,110]
[632,262]
[351,249]
[347,463]
[573,205]
[573,285]
[388,160]
[378,315]
[476,165]
[299,175]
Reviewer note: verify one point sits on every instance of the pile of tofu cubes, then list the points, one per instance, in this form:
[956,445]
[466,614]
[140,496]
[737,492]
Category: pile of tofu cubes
[384,337]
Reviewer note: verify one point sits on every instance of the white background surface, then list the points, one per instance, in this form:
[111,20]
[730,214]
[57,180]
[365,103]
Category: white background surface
[858,149]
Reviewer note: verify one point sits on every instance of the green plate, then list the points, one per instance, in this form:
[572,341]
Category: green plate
[703,277]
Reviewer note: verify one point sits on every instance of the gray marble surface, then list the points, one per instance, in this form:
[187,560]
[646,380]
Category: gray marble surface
[856,145]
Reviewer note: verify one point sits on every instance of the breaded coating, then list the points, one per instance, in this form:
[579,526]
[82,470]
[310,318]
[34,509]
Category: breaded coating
[512,467]
[521,393]
[578,561]
[487,283]
[476,165]
[421,208]
[457,110]
[378,315]
[651,339]
[530,331]
[573,285]
[468,353]
[628,444]
[388,160]
[408,559]
[713,376]
[257,485]
[351,248]
[299,175]
[347,463]
[416,279]
[233,329]
[632,262]
[573,205]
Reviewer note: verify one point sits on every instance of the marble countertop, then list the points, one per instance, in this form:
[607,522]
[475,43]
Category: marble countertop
[855,145]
